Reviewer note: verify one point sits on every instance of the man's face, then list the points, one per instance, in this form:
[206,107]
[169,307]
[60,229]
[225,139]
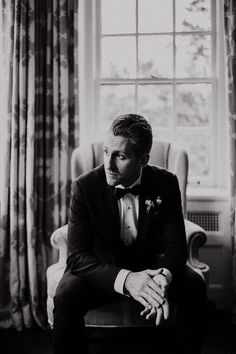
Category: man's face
[122,166]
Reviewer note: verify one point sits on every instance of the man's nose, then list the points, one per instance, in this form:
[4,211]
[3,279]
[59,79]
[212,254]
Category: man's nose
[110,162]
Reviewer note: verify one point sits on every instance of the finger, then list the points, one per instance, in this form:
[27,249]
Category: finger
[155,296]
[151,300]
[159,316]
[154,293]
[166,309]
[144,312]
[154,272]
[162,283]
[151,313]
[144,302]
[161,280]
[156,287]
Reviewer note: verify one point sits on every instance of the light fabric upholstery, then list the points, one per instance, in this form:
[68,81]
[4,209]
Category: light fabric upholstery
[83,159]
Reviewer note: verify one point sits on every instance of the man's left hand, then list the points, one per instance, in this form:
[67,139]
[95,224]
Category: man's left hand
[163,310]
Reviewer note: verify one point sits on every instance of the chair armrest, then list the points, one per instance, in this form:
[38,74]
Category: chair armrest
[59,241]
[195,234]
[55,271]
[196,238]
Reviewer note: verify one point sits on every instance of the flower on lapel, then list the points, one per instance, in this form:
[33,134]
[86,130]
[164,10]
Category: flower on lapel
[149,204]
[153,204]
[158,201]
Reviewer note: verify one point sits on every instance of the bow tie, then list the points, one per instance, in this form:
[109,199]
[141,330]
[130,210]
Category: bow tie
[120,192]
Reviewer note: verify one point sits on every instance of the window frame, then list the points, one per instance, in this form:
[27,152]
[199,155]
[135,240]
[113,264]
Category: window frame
[89,81]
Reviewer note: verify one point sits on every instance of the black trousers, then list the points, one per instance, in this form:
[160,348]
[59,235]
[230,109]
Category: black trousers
[74,297]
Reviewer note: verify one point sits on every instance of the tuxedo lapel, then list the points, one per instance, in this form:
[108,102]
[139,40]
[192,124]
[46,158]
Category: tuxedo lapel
[150,190]
[110,211]
[143,220]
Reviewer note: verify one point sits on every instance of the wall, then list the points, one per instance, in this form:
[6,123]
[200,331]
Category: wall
[213,213]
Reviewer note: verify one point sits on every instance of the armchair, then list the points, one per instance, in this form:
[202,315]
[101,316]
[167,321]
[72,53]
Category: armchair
[163,154]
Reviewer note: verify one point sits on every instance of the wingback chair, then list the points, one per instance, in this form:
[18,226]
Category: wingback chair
[163,154]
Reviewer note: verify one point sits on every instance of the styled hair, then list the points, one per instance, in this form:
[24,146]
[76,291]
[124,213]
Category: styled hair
[136,128]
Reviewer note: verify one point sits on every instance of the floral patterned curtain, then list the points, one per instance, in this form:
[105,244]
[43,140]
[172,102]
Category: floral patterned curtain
[39,113]
[230,31]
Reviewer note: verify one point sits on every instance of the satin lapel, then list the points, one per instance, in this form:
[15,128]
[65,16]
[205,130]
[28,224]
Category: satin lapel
[112,220]
[143,220]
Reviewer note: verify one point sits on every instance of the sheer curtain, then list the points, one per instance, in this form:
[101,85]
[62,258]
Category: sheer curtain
[230,35]
[39,77]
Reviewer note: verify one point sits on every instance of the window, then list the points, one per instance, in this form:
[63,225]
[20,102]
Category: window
[158,58]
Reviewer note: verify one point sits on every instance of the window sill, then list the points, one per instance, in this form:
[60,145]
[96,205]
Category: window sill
[207,194]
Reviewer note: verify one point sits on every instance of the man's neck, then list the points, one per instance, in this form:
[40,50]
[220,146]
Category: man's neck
[136,182]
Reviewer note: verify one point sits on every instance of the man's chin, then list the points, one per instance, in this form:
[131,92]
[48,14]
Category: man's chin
[112,181]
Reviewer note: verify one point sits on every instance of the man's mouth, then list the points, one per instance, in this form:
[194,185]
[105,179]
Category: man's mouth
[112,174]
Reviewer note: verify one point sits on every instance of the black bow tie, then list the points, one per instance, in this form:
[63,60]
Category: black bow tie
[120,192]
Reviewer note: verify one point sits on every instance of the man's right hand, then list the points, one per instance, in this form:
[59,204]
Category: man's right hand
[144,289]
[163,311]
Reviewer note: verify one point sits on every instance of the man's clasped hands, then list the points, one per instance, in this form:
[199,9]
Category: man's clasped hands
[149,287]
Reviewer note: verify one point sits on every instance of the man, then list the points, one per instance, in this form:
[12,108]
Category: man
[127,242]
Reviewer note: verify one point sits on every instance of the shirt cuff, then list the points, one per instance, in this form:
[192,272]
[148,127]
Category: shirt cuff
[120,280]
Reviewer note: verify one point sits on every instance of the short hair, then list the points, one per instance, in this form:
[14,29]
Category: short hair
[136,128]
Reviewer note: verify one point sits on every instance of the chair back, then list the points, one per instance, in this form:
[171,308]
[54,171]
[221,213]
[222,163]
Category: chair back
[163,154]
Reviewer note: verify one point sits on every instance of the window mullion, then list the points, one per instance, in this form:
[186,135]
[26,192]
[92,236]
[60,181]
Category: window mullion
[98,44]
[174,73]
[137,56]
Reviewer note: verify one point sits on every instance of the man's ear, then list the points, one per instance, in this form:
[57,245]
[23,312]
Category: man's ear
[144,159]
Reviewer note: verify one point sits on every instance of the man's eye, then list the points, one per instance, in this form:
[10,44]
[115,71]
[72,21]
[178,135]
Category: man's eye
[121,157]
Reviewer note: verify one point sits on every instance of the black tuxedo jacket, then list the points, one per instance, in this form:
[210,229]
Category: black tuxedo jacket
[95,251]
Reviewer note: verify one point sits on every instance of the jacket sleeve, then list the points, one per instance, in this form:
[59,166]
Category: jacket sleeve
[174,244]
[82,237]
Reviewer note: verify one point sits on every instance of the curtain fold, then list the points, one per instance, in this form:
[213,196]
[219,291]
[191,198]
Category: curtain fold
[39,113]
[230,37]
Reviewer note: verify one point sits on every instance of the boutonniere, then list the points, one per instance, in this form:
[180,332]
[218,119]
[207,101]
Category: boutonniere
[153,204]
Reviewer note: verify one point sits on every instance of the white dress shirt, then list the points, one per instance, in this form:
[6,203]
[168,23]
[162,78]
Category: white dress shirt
[128,207]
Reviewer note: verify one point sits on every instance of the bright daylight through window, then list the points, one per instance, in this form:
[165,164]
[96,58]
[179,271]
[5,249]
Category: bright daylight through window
[157,59]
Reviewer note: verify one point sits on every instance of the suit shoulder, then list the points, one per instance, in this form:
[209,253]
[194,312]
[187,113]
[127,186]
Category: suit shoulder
[91,174]
[158,177]
[90,178]
[161,172]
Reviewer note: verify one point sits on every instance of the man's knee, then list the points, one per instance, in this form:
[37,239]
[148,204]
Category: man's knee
[70,289]
[195,283]
[189,287]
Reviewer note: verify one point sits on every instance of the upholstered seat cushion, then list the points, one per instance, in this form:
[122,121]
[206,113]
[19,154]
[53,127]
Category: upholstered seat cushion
[124,312]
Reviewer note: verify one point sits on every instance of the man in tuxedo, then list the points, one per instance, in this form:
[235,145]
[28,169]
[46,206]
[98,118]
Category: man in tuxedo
[126,237]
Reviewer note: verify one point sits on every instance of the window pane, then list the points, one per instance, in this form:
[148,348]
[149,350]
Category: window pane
[193,105]
[115,100]
[198,145]
[155,103]
[118,57]
[118,16]
[193,15]
[156,56]
[193,56]
[153,15]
